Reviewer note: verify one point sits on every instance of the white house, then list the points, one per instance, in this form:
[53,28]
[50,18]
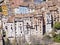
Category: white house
[24,27]
[28,26]
[19,28]
[4,21]
[10,30]
[48,21]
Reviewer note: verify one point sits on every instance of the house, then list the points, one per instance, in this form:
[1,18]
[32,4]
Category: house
[27,26]
[48,22]
[10,30]
[19,27]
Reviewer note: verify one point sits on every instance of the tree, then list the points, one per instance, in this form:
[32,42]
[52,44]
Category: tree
[57,38]
[57,25]
[0,9]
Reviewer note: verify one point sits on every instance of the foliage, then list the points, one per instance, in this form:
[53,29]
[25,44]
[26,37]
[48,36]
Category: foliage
[57,38]
[57,25]
[0,9]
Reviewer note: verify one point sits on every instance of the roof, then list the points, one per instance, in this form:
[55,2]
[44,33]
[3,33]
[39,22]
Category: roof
[11,19]
[23,15]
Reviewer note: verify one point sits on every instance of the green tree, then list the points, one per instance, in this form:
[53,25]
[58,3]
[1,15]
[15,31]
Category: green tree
[0,9]
[57,25]
[57,38]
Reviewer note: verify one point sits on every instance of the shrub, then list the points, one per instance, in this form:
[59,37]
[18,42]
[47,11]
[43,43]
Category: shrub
[0,9]
[57,25]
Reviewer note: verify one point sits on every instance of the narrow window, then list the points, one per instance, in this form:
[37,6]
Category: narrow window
[6,27]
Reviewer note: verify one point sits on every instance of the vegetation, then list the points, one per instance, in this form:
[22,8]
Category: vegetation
[57,38]
[57,25]
[0,9]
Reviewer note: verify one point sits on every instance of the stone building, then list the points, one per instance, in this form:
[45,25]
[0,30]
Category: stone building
[24,26]
[38,21]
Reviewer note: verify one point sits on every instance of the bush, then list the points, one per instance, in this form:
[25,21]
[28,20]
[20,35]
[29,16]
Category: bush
[0,9]
[57,25]
[57,38]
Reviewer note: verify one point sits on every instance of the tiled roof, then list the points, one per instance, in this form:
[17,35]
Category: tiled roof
[11,18]
[25,15]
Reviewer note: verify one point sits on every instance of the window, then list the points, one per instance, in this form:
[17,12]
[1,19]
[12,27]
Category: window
[44,0]
[48,16]
[21,31]
[20,27]
[4,22]
[6,27]
[20,24]
[27,0]
[40,26]
[0,9]
[40,29]
[11,28]
[12,2]
[15,27]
